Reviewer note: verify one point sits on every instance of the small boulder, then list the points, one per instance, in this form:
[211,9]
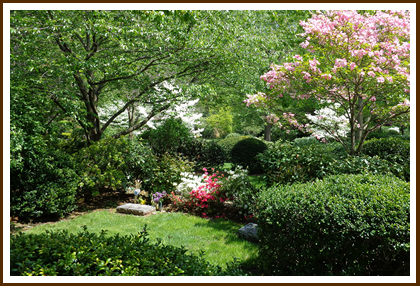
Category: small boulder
[136,209]
[249,232]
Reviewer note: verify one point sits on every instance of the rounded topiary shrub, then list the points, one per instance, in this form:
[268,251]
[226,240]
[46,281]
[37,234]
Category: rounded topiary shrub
[228,143]
[233,135]
[394,150]
[244,152]
[341,225]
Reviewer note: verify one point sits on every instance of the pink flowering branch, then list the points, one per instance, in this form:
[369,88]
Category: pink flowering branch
[360,61]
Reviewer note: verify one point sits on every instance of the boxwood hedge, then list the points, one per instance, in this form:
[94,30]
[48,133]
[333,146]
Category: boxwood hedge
[88,254]
[342,225]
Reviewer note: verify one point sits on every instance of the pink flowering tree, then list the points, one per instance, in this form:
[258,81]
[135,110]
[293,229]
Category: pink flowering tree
[358,62]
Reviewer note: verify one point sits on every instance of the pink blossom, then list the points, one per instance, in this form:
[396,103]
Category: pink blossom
[298,57]
[340,62]
[380,79]
[352,65]
[371,73]
[304,44]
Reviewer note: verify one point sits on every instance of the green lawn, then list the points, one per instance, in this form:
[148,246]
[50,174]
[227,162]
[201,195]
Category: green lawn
[217,238]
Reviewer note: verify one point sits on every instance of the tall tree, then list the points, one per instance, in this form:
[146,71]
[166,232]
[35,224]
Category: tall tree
[360,61]
[82,57]
[261,38]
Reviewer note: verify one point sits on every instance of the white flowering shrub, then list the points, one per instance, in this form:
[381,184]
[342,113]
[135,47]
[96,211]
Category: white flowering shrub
[238,187]
[188,183]
[329,120]
[181,108]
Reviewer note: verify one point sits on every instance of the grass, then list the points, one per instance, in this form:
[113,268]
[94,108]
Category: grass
[216,238]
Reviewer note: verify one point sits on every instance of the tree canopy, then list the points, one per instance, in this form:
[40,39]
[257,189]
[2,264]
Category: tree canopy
[358,61]
[82,60]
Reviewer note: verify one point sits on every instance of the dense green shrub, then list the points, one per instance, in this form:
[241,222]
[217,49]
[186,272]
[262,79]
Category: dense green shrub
[287,163]
[43,185]
[244,152]
[168,136]
[342,225]
[114,164]
[228,143]
[102,166]
[303,141]
[364,164]
[233,135]
[286,135]
[203,153]
[236,185]
[405,137]
[157,174]
[89,254]
[387,133]
[394,150]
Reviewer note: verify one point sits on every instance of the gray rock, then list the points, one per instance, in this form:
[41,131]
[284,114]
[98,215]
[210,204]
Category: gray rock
[136,209]
[249,232]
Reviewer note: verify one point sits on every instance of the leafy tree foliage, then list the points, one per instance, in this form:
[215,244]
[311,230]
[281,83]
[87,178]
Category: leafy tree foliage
[87,56]
[360,61]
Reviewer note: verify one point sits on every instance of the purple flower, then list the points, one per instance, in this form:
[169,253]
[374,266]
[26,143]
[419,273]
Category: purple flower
[157,197]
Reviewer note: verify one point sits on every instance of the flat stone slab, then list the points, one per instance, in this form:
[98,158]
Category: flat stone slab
[136,209]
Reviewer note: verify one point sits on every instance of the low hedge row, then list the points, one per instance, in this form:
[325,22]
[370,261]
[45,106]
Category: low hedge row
[341,225]
[89,254]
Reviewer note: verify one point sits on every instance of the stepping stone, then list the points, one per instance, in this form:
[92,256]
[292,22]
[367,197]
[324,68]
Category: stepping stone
[249,232]
[136,209]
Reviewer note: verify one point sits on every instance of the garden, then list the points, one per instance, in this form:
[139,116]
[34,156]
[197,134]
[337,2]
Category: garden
[319,161]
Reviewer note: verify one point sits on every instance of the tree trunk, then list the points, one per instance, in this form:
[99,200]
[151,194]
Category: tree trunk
[267,132]
[359,118]
[130,111]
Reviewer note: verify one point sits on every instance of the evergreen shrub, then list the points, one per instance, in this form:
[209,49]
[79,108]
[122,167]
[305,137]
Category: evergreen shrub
[44,185]
[288,163]
[204,154]
[341,225]
[233,135]
[394,150]
[111,165]
[228,143]
[58,253]
[244,153]
[168,136]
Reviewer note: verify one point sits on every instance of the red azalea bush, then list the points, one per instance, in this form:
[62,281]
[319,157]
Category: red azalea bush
[207,200]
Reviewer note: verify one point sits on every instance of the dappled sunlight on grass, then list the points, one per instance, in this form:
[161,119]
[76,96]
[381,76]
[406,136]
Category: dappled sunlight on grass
[216,238]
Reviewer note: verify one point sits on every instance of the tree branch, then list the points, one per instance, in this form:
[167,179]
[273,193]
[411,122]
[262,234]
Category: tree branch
[140,124]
